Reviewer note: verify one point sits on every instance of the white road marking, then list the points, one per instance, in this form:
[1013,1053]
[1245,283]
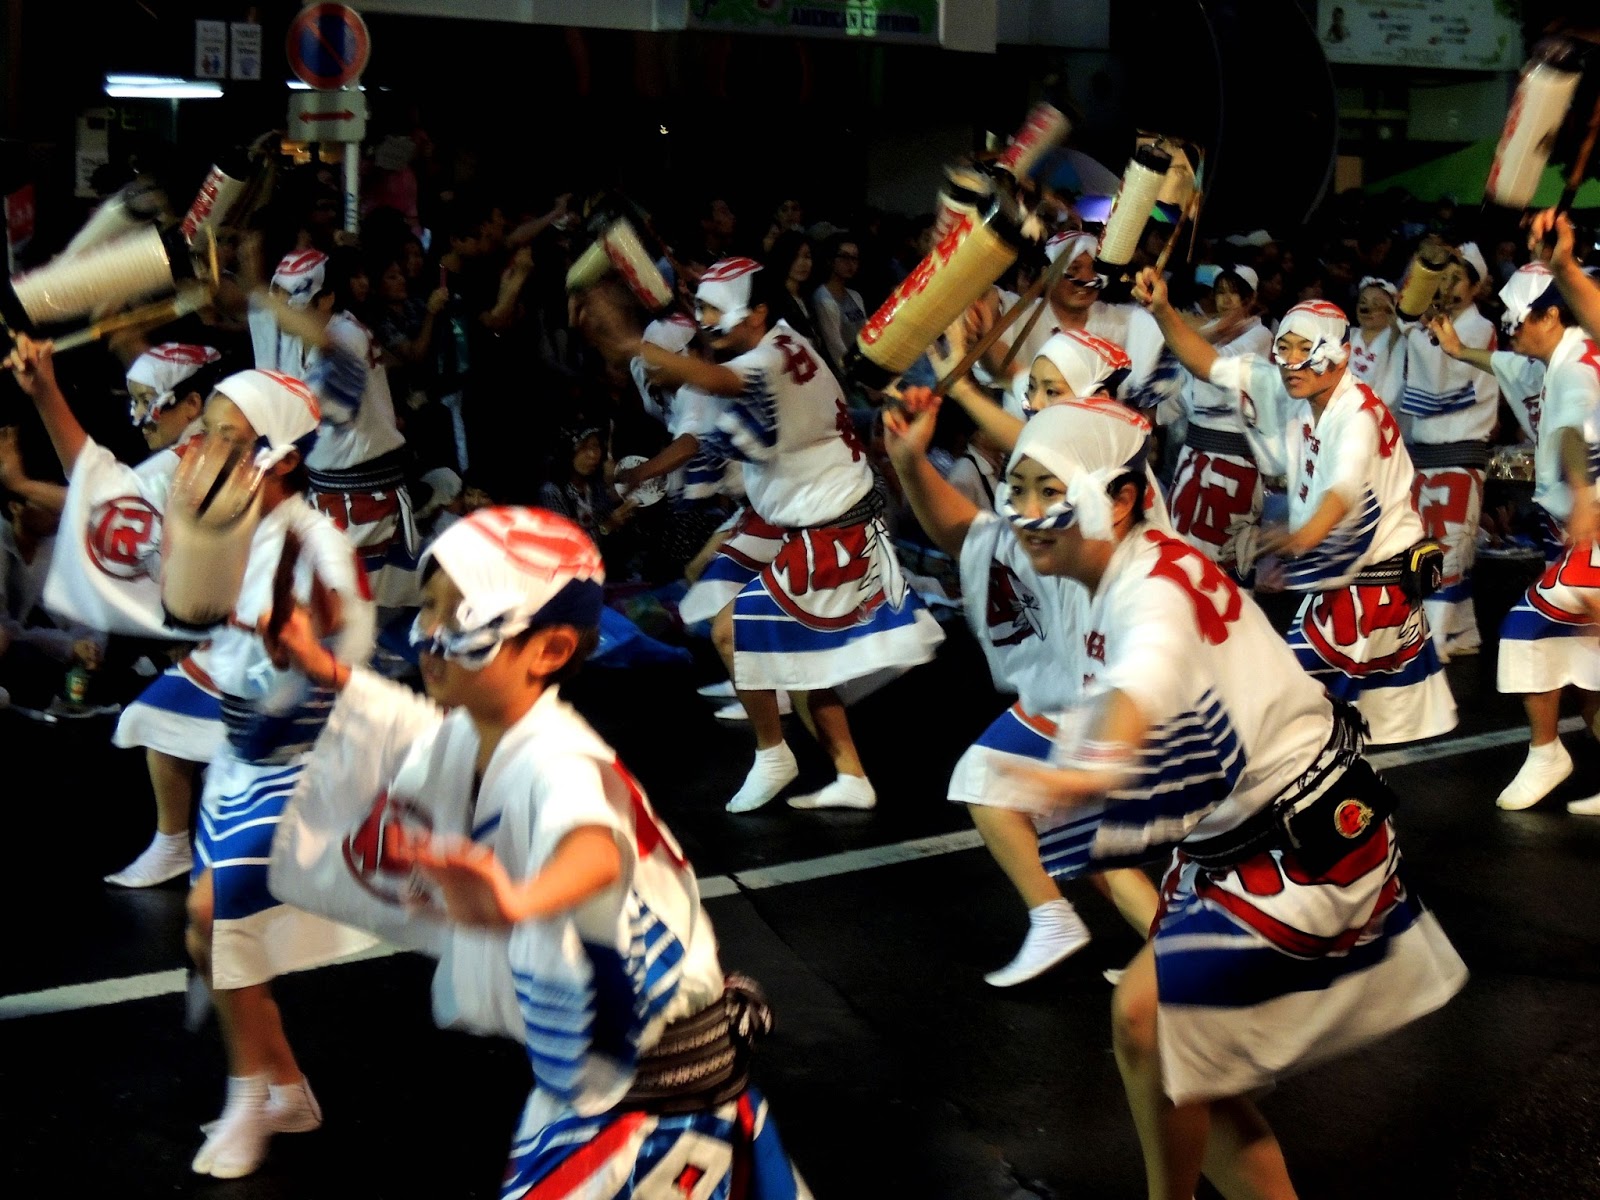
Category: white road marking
[712,887]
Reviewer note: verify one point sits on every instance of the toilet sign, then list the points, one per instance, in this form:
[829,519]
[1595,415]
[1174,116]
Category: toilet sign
[328,45]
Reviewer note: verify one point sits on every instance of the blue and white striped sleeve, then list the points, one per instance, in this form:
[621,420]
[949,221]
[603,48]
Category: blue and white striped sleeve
[748,427]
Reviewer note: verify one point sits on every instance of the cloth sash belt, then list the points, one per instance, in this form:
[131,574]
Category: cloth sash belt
[1449,454]
[1331,810]
[1217,441]
[381,474]
[704,1060]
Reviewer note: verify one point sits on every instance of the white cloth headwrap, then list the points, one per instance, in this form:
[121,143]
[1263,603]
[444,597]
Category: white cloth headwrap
[1469,253]
[514,566]
[1086,362]
[166,366]
[1383,285]
[280,408]
[1325,326]
[727,287]
[1074,243]
[1525,287]
[1247,276]
[673,334]
[1087,444]
[301,276]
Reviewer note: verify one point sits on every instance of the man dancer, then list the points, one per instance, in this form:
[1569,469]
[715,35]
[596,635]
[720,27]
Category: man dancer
[1351,524]
[806,593]
[1548,642]
[1452,410]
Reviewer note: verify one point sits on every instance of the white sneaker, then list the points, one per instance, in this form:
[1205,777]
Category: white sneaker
[846,791]
[1055,932]
[717,691]
[736,712]
[166,857]
[1588,807]
[773,770]
[238,1139]
[1541,772]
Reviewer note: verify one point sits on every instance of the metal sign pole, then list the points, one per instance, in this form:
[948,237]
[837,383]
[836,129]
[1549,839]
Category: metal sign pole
[352,187]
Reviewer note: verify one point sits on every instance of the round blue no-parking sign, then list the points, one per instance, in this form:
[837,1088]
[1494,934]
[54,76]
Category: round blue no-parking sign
[328,45]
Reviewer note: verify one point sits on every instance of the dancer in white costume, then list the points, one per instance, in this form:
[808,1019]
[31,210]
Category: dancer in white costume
[1287,933]
[178,718]
[488,826]
[1217,496]
[1448,412]
[1548,641]
[1031,630]
[239,937]
[1361,630]
[806,593]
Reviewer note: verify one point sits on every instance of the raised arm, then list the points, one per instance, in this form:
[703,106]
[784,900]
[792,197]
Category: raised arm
[1191,349]
[34,370]
[1581,292]
[1450,342]
[1000,426]
[943,512]
[677,370]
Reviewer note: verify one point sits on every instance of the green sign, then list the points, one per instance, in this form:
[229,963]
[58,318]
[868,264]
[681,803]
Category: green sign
[878,20]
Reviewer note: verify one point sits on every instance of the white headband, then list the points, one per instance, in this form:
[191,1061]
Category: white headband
[163,368]
[280,408]
[1322,324]
[727,286]
[1087,444]
[1523,290]
[1074,242]
[300,276]
[1086,362]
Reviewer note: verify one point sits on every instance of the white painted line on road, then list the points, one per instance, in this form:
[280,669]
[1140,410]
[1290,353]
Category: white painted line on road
[712,887]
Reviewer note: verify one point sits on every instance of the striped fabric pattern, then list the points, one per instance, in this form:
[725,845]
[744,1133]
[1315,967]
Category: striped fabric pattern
[1336,557]
[1418,402]
[234,841]
[1187,767]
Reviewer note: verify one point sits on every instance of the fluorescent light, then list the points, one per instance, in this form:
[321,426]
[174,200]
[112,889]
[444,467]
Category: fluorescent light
[300,85]
[160,87]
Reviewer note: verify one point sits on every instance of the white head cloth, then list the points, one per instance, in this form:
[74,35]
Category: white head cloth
[1469,253]
[672,334]
[727,286]
[1087,444]
[166,366]
[1247,276]
[1523,290]
[1072,242]
[1325,326]
[280,408]
[517,565]
[301,276]
[1086,362]
[1383,285]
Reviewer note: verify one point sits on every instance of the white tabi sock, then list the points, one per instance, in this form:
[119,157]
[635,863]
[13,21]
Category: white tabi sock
[1055,932]
[847,791]
[773,770]
[1589,806]
[291,1108]
[1544,768]
[166,857]
[238,1140]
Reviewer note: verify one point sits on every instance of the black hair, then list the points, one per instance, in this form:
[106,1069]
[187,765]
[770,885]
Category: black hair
[1139,482]
[786,248]
[204,380]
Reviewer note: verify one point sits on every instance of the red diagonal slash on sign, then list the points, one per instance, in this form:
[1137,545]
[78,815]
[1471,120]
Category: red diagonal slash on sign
[333,116]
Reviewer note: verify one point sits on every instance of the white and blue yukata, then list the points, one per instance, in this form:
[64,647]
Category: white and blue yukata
[359,462]
[818,595]
[1366,642]
[1450,409]
[272,719]
[1548,640]
[586,992]
[1262,969]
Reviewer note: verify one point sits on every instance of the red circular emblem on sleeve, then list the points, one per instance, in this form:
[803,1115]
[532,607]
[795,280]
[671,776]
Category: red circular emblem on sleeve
[1351,818]
[123,538]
